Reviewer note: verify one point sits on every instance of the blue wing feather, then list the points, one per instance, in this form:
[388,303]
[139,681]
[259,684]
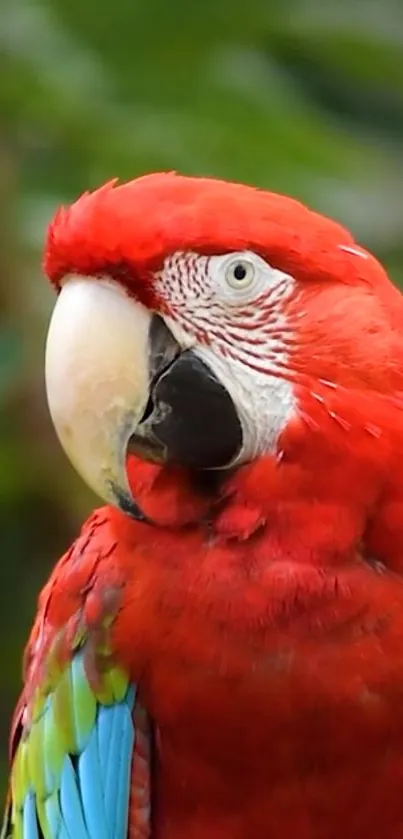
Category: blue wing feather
[85,793]
[105,720]
[110,715]
[70,803]
[117,779]
[122,780]
[30,822]
[90,782]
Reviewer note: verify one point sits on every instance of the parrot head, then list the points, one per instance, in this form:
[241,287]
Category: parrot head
[206,324]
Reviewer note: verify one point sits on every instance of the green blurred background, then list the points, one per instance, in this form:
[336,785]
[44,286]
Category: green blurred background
[299,96]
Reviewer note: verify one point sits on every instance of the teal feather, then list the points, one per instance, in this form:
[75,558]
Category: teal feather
[120,747]
[70,802]
[107,719]
[53,814]
[90,781]
[122,792]
[72,769]
[30,823]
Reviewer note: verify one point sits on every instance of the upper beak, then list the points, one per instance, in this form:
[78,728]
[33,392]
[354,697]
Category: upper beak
[97,379]
[116,376]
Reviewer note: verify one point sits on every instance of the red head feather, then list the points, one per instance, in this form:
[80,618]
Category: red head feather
[129,229]
[345,356]
[126,231]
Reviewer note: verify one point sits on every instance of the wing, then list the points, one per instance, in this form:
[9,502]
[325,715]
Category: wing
[80,743]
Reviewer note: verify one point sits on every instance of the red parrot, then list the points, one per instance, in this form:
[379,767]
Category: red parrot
[219,655]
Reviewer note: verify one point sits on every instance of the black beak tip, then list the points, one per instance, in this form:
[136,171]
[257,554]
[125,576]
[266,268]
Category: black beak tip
[128,505]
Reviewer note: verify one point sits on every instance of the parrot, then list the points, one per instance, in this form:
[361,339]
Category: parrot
[219,654]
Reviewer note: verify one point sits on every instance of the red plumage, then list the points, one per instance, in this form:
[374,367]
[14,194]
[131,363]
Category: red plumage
[263,619]
[133,226]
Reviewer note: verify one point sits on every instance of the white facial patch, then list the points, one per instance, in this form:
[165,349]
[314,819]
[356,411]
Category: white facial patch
[231,310]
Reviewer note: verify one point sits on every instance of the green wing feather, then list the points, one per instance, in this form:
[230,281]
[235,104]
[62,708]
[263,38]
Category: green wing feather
[70,777]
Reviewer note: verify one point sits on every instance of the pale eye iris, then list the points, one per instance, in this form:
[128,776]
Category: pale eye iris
[240,274]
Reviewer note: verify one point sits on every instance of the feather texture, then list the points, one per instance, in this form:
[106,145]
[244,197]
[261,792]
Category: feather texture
[263,617]
[71,771]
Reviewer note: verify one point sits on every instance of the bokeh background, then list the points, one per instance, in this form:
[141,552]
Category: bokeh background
[299,96]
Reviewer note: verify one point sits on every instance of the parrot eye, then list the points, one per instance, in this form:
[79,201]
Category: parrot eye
[240,273]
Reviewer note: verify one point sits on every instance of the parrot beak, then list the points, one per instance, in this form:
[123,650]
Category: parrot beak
[118,382]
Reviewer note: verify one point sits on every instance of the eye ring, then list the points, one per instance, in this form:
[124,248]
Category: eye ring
[240,273]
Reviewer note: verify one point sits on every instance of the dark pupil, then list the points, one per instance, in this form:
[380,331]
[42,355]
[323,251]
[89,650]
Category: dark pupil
[239,272]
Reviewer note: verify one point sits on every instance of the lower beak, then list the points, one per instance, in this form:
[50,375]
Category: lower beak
[117,381]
